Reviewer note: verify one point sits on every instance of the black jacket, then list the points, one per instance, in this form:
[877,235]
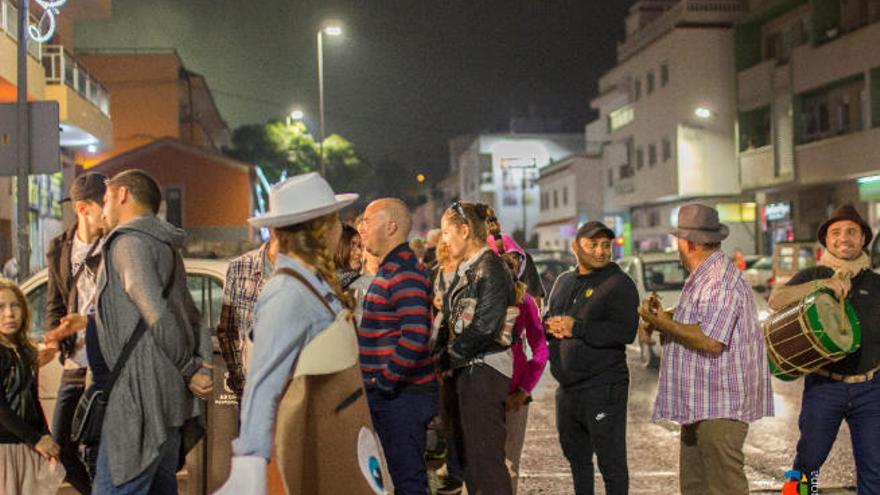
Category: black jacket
[604,305]
[61,298]
[491,284]
[21,415]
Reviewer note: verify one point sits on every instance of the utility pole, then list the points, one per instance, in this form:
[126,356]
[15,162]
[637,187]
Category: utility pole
[23,149]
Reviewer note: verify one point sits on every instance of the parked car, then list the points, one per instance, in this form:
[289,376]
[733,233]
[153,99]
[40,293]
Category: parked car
[206,469]
[664,274]
[760,274]
[792,257]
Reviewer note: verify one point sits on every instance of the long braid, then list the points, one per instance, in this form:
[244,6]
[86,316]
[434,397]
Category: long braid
[306,240]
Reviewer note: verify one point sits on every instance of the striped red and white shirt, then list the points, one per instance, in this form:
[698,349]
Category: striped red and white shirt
[735,384]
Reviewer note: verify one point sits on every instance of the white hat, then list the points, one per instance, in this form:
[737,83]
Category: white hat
[299,199]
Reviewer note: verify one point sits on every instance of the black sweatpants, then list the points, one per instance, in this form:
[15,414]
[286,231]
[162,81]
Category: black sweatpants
[480,429]
[593,420]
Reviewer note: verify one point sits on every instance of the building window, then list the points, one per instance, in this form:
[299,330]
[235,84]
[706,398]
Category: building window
[667,149]
[652,154]
[610,178]
[653,218]
[640,158]
[664,74]
[174,206]
[650,82]
[555,199]
[626,171]
[565,196]
[637,89]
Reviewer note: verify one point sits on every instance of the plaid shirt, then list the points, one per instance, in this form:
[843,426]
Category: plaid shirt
[244,280]
[694,385]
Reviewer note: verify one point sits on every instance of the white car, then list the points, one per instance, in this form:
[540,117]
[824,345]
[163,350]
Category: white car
[664,274]
[205,279]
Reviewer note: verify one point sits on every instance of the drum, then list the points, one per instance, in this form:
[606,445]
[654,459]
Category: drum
[810,334]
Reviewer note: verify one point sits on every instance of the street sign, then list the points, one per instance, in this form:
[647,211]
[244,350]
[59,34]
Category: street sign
[45,150]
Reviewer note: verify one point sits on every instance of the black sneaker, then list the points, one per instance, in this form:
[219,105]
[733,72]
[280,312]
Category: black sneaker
[450,486]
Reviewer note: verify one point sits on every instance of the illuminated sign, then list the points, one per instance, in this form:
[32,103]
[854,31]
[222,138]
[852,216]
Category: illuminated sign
[621,117]
[777,211]
[45,28]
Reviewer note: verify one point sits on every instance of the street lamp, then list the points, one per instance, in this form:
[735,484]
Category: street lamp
[703,112]
[295,116]
[330,30]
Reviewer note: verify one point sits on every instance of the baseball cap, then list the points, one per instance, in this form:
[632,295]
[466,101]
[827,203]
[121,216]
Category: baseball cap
[592,229]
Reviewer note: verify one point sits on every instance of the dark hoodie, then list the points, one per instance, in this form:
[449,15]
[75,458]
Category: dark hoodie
[604,304]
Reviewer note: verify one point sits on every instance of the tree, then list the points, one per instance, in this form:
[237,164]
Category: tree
[281,150]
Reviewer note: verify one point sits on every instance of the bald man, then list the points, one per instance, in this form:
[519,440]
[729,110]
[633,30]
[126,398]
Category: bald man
[394,351]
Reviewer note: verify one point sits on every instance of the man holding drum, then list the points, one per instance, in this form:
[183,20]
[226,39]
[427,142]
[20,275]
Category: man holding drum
[850,388]
[714,378]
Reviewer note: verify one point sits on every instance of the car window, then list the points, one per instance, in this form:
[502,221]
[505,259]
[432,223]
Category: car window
[37,302]
[664,275]
[207,292]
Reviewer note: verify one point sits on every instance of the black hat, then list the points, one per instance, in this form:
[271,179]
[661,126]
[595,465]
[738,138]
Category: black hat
[845,212]
[594,228]
[90,186]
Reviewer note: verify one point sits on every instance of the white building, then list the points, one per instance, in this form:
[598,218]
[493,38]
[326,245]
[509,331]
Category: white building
[571,194]
[808,98]
[670,110]
[501,170]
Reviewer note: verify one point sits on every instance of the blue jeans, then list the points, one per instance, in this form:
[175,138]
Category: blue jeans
[825,404]
[158,479]
[79,474]
[402,425]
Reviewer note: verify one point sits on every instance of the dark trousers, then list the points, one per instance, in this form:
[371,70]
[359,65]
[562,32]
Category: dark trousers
[825,404]
[402,425]
[479,429]
[593,420]
[71,389]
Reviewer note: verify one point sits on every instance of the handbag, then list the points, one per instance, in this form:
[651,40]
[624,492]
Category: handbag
[88,418]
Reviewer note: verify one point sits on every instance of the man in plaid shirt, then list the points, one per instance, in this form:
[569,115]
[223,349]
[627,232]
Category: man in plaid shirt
[714,378]
[245,277]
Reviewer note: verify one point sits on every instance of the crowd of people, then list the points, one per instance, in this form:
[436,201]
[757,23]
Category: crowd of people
[345,343]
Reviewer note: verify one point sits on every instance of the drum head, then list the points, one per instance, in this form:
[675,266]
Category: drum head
[838,330]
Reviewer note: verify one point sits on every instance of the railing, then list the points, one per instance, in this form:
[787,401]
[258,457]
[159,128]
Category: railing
[685,11]
[9,24]
[62,68]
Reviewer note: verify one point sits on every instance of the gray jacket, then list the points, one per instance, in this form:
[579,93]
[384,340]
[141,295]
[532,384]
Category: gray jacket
[151,394]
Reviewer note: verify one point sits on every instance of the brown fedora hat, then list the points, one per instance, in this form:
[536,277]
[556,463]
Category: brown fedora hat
[845,212]
[699,223]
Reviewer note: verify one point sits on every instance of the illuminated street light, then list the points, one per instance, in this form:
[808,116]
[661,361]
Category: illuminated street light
[420,178]
[331,30]
[703,112]
[296,115]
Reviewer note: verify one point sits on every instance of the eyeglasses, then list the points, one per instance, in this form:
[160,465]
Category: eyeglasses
[458,208]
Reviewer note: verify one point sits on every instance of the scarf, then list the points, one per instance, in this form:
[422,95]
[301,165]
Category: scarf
[849,268]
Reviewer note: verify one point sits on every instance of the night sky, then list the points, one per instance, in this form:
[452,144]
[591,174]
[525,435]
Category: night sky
[407,75]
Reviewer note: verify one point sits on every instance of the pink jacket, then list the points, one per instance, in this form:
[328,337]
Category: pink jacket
[527,373]
[509,245]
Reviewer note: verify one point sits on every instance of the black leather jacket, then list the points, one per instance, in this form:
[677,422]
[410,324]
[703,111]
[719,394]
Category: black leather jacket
[21,415]
[491,284]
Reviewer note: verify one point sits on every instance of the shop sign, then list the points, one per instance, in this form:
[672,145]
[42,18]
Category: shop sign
[774,212]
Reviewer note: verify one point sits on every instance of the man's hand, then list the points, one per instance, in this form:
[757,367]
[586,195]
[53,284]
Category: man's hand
[46,353]
[561,326]
[646,332]
[840,283]
[515,400]
[68,326]
[201,384]
[47,448]
[235,381]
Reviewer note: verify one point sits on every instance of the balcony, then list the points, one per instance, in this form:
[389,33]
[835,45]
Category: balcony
[9,57]
[83,102]
[9,25]
[757,169]
[755,86]
[839,158]
[685,12]
[845,56]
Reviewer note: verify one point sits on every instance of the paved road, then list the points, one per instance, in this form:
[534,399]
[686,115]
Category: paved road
[653,448]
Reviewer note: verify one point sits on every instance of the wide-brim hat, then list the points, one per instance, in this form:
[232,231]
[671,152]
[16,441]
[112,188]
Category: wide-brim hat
[845,212]
[299,199]
[699,223]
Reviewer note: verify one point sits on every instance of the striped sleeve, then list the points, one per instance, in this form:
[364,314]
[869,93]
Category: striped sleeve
[409,295]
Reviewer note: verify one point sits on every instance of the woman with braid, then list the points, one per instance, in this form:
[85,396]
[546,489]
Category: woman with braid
[304,405]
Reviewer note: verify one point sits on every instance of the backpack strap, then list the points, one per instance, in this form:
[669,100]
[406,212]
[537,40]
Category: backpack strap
[293,273]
